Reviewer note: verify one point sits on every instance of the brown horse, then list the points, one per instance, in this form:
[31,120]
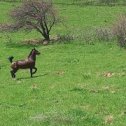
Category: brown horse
[28,63]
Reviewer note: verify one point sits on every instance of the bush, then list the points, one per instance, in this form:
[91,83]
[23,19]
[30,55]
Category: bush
[119,30]
[65,38]
[104,34]
[108,2]
[84,2]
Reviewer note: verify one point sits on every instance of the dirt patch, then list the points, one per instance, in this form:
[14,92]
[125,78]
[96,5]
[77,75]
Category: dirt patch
[32,41]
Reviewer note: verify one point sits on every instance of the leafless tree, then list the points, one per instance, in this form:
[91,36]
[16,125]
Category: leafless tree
[34,14]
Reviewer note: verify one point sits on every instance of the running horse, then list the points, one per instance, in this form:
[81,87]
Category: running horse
[28,63]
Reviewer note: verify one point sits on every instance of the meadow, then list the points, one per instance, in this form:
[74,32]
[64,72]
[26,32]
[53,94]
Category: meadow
[77,84]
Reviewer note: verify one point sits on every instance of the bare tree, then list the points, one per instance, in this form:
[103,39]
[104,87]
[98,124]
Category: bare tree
[34,14]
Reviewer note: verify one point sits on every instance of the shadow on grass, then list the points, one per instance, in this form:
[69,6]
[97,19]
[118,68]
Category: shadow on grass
[79,90]
[10,105]
[36,76]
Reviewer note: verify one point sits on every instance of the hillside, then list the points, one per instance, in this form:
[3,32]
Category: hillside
[77,83]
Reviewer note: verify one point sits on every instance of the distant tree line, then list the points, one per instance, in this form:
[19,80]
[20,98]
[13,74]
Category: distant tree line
[81,2]
[99,2]
[10,0]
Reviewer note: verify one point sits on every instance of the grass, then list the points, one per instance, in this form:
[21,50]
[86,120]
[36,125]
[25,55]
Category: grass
[76,84]
[67,89]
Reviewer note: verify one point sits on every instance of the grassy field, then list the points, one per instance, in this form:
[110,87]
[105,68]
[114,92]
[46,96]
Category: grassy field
[76,84]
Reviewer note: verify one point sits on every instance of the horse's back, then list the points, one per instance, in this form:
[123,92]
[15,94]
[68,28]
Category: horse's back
[22,64]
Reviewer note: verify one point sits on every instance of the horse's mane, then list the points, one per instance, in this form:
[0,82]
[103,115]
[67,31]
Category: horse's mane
[30,53]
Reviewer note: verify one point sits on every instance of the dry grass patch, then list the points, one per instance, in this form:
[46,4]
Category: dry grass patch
[53,118]
[108,119]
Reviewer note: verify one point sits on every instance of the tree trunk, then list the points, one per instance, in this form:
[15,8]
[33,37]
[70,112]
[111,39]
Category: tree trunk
[46,37]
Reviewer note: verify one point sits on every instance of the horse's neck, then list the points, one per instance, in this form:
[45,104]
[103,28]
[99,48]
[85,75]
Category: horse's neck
[32,57]
[30,54]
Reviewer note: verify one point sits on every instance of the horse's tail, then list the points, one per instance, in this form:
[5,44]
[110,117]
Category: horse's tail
[10,59]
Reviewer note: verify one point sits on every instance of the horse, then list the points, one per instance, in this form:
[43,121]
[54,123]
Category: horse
[28,63]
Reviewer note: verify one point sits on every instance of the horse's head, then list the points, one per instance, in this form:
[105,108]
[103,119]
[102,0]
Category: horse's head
[33,53]
[36,52]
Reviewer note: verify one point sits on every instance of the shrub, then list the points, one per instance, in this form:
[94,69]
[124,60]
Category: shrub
[104,34]
[119,30]
[65,38]
[107,2]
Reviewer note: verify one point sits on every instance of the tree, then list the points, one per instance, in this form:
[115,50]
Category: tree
[33,14]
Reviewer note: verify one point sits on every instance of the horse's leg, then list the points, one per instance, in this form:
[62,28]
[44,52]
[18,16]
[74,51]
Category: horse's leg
[13,73]
[15,70]
[35,70]
[31,71]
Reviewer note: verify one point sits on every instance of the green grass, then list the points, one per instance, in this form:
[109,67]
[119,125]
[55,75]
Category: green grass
[76,84]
